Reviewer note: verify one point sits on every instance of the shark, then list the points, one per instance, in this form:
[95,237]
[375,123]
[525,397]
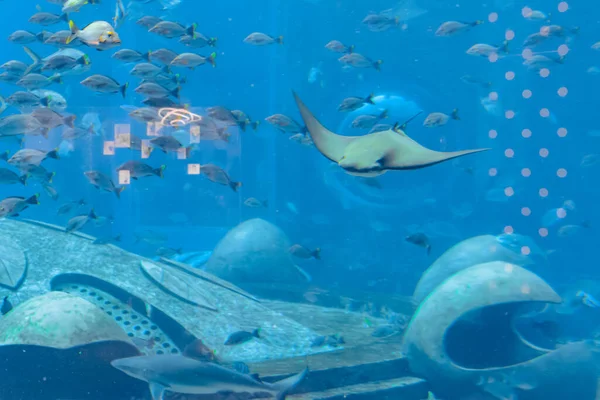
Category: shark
[181,374]
[375,153]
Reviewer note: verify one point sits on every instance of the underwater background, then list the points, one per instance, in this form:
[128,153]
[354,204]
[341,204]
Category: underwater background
[372,237]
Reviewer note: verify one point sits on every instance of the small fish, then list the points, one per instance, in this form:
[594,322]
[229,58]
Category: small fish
[50,191]
[242,337]
[99,35]
[384,331]
[12,206]
[168,252]
[151,237]
[38,173]
[261,39]
[199,41]
[218,175]
[70,6]
[172,30]
[46,19]
[302,139]
[76,223]
[191,60]
[285,124]
[51,99]
[368,121]
[420,239]
[67,208]
[129,56]
[31,157]
[587,299]
[60,38]
[338,47]
[354,103]
[77,132]
[107,240]
[8,177]
[138,169]
[170,144]
[451,28]
[103,182]
[6,306]
[151,89]
[253,202]
[300,251]
[589,160]
[593,70]
[222,114]
[437,119]
[468,79]
[145,114]
[104,84]
[147,70]
[359,61]
[50,119]
[535,15]
[22,37]
[120,14]
[380,22]
[148,21]
[486,50]
[199,351]
[595,46]
[38,81]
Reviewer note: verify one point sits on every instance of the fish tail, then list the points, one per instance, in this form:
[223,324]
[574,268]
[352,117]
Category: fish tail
[92,214]
[351,49]
[69,121]
[279,39]
[454,114]
[224,136]
[118,191]
[235,185]
[191,30]
[4,155]
[255,125]
[23,179]
[575,30]
[285,386]
[123,89]
[44,132]
[384,114]
[265,204]
[369,99]
[37,61]
[175,92]
[160,171]
[50,176]
[53,154]
[40,36]
[428,249]
[504,47]
[212,42]
[377,65]
[212,59]
[56,78]
[33,199]
[74,31]
[188,151]
[478,22]
[64,17]
[147,55]
[317,253]
[256,333]
[243,125]
[117,238]
[45,101]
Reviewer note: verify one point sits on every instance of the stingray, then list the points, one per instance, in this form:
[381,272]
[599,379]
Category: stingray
[375,153]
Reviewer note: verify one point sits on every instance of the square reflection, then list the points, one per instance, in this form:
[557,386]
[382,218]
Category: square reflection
[122,140]
[146,148]
[124,177]
[193,169]
[109,148]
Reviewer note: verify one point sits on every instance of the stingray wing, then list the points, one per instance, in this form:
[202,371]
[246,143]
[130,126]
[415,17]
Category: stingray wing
[405,153]
[328,143]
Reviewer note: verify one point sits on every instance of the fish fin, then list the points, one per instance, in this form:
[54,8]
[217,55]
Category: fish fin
[235,185]
[369,99]
[504,46]
[256,333]
[4,155]
[285,386]
[377,65]
[157,390]
[123,89]
[255,125]
[351,49]
[92,214]
[305,274]
[166,69]
[256,377]
[64,17]
[50,176]
[40,36]
[117,238]
[23,179]
[279,39]
[69,121]
[37,61]
[160,171]
[317,253]
[212,42]
[454,114]
[331,145]
[212,59]
[44,132]
[146,56]
[191,30]
[265,204]
[176,92]
[45,101]
[53,154]
[74,31]
[33,199]
[119,190]
[428,249]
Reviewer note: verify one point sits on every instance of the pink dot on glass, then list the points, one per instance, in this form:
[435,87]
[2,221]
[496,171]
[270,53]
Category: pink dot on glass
[526,172]
[509,191]
[561,172]
[563,49]
[544,152]
[543,232]
[509,153]
[526,211]
[527,54]
[526,12]
[561,132]
[562,92]
[544,72]
[561,213]
[562,7]
[493,17]
[508,229]
[509,75]
[544,113]
[525,250]
[493,96]
[526,133]
[543,192]
[527,94]
[493,172]
[493,134]
[509,114]
[509,34]
[493,57]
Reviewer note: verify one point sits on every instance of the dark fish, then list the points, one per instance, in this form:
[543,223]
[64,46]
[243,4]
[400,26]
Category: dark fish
[302,252]
[6,306]
[218,175]
[103,182]
[420,239]
[107,240]
[70,206]
[199,351]
[76,223]
[242,337]
[384,331]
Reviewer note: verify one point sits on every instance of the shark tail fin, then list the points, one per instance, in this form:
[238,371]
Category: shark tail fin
[285,386]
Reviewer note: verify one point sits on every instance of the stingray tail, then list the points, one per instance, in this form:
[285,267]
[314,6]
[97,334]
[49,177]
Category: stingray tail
[445,156]
[285,386]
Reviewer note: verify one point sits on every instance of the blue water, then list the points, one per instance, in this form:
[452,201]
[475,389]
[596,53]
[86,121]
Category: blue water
[360,229]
